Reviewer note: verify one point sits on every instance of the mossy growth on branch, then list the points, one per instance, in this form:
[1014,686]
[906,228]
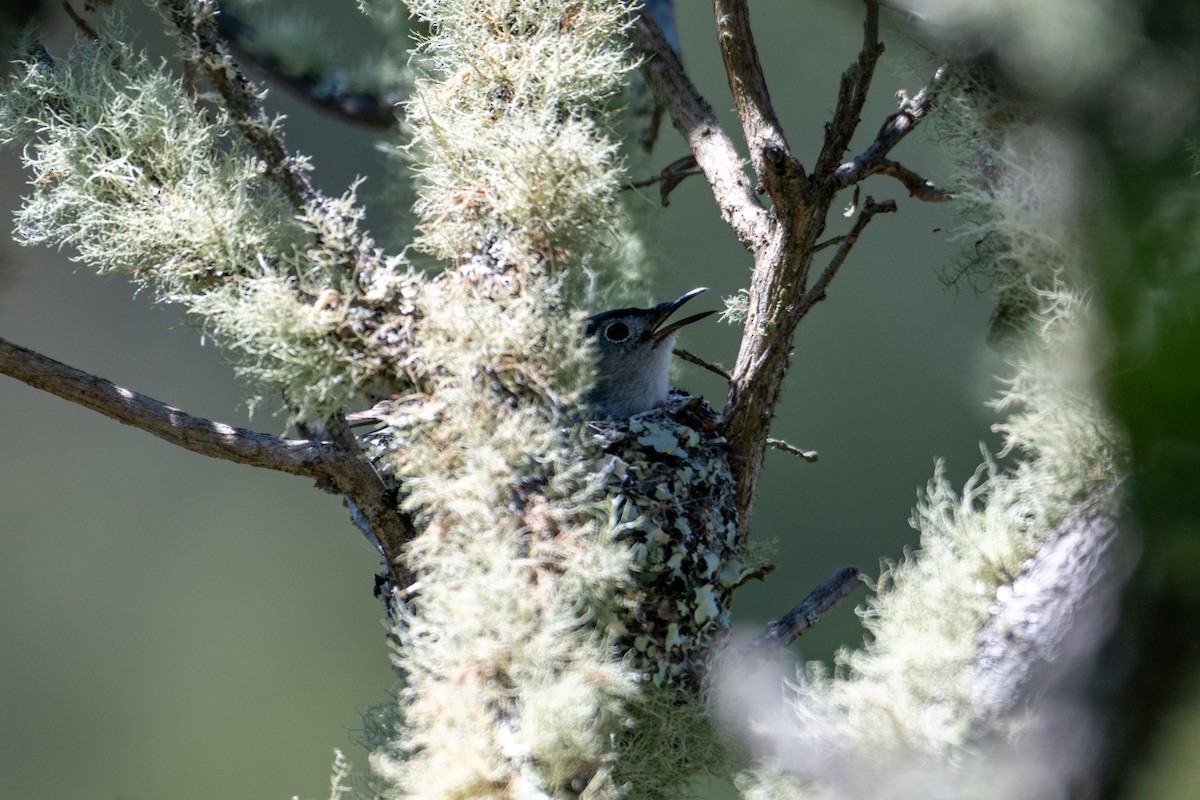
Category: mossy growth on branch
[512,636]
[512,651]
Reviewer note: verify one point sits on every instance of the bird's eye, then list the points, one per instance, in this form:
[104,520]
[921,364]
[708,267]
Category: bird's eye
[616,332]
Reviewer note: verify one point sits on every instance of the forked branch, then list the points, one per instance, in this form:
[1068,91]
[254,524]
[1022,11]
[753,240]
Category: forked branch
[874,159]
[852,94]
[817,292]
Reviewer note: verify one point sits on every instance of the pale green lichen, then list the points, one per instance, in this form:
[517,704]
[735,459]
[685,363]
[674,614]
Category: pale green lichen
[131,175]
[513,649]
[513,564]
[509,140]
[138,179]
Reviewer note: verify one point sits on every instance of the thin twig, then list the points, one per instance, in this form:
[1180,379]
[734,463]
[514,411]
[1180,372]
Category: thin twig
[375,415]
[779,444]
[830,242]
[792,625]
[918,187]
[81,23]
[692,358]
[671,176]
[817,293]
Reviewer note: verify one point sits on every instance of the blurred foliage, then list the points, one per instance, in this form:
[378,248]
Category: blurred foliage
[1144,251]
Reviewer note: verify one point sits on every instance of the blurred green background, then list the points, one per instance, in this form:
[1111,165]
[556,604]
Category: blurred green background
[175,626]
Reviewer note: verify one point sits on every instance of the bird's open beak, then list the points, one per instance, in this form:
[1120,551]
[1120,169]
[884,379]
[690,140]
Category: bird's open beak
[665,310]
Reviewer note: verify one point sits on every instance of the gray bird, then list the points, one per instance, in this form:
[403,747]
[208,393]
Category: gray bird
[634,367]
[670,489]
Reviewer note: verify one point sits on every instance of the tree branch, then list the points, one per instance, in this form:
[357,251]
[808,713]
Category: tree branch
[355,477]
[874,159]
[693,117]
[196,22]
[852,94]
[336,465]
[783,259]
[294,456]
[778,170]
[792,625]
[779,295]
[1054,615]
[817,293]
[917,186]
[80,23]
[377,502]
[784,240]
[328,92]
[715,369]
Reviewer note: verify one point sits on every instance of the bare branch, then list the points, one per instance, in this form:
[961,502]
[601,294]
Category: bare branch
[784,240]
[779,444]
[894,128]
[693,117]
[817,293]
[792,625]
[294,456]
[852,94]
[327,91]
[778,170]
[783,258]
[700,362]
[336,465]
[917,186]
[81,23]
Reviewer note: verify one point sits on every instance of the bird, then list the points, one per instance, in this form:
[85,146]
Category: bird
[633,366]
[663,465]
